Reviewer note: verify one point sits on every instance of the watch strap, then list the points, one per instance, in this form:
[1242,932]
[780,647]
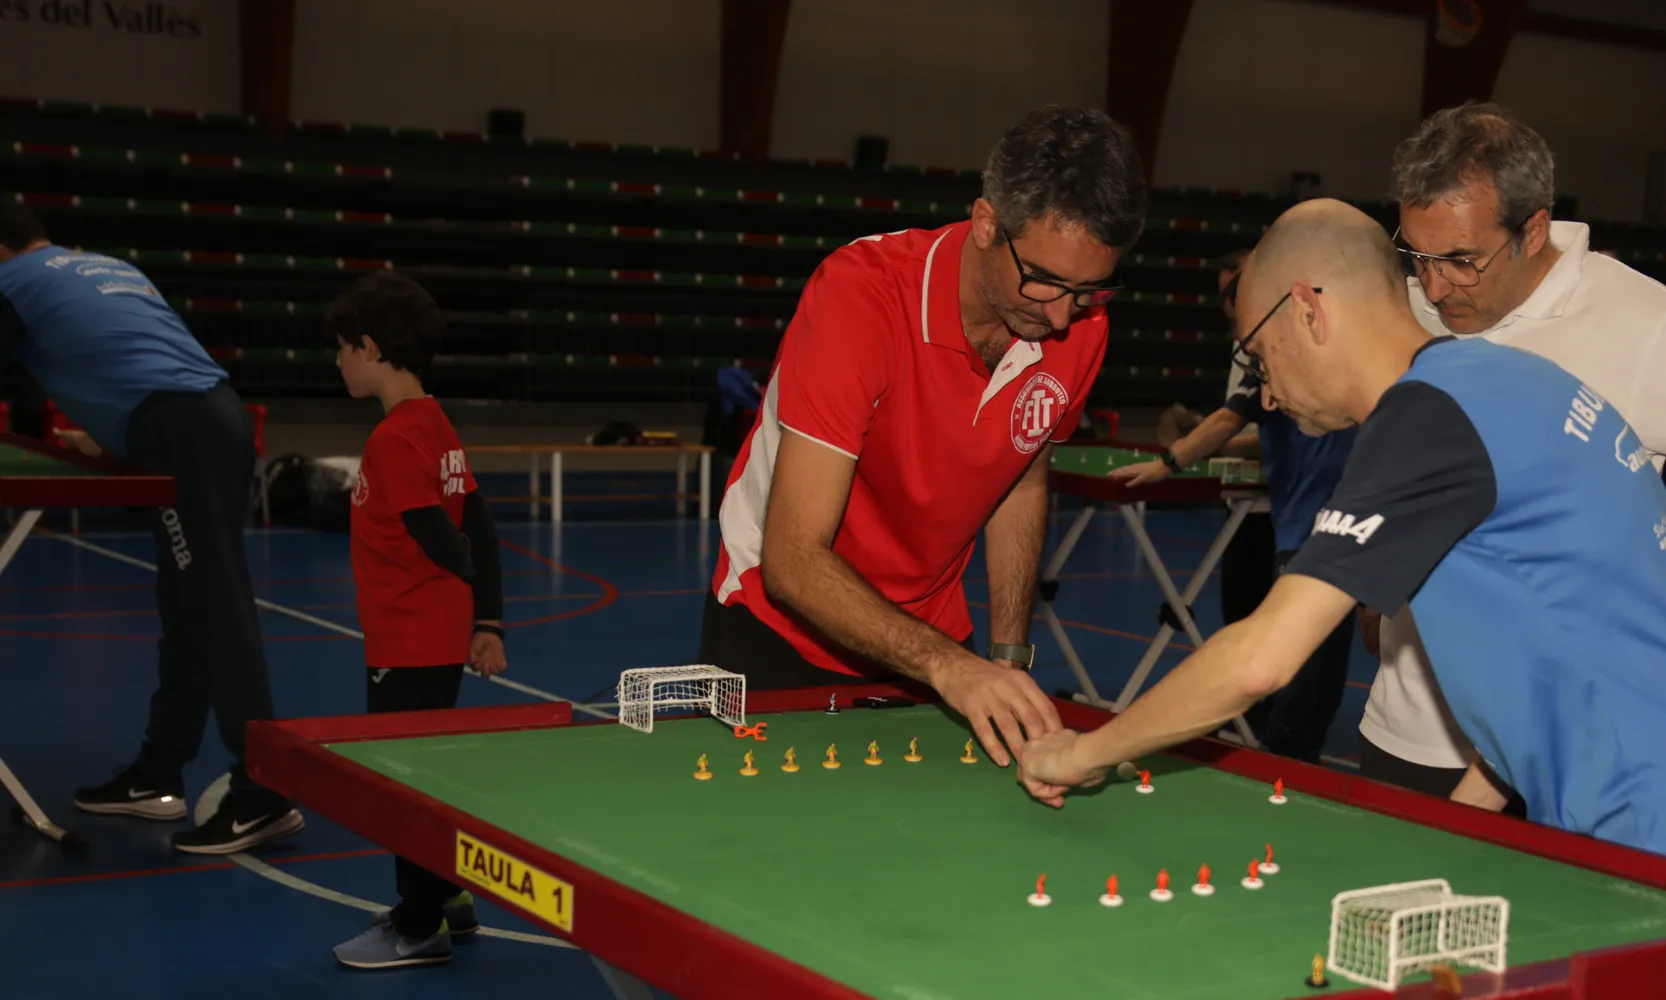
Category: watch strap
[1024,656]
[1170,461]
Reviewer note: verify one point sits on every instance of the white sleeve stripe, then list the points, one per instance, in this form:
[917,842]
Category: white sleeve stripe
[817,440]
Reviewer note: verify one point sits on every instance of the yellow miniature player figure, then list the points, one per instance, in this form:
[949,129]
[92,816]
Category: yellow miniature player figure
[913,750]
[749,769]
[832,760]
[969,757]
[792,761]
[703,774]
[1318,978]
[873,753]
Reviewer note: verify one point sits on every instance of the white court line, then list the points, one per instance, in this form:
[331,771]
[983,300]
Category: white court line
[322,623]
[210,798]
[210,801]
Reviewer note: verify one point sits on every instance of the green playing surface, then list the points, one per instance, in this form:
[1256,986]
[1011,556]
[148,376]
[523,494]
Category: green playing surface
[1099,460]
[15,461]
[910,880]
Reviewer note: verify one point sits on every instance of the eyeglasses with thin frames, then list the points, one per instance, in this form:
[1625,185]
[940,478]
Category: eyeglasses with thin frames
[1463,272]
[1249,363]
[1052,291]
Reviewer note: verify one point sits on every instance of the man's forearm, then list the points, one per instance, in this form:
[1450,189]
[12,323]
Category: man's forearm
[1197,697]
[1012,552]
[1209,437]
[821,587]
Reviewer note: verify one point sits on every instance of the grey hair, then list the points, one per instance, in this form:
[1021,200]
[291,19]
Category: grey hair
[1477,142]
[1074,162]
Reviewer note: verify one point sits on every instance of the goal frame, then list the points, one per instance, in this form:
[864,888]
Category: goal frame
[1491,956]
[720,693]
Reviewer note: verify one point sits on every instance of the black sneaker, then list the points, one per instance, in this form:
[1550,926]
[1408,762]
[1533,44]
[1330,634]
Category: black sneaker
[130,793]
[239,824]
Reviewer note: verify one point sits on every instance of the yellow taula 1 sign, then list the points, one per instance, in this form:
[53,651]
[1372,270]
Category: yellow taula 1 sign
[514,881]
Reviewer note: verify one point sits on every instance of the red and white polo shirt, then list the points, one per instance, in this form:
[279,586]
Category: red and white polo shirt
[876,365]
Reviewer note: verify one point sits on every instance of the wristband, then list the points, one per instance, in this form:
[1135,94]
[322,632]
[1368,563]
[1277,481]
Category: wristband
[1170,461]
[1024,656]
[488,629]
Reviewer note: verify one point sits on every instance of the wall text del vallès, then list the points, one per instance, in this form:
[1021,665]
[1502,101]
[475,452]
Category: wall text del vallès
[152,18]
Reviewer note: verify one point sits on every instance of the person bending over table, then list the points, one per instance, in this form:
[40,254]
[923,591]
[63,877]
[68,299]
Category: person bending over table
[1302,470]
[1500,496]
[912,404]
[99,338]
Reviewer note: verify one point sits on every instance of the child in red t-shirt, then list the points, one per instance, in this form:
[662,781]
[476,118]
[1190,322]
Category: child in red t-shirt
[425,568]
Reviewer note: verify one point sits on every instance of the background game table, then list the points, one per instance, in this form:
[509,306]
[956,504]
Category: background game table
[37,474]
[1083,470]
[910,880]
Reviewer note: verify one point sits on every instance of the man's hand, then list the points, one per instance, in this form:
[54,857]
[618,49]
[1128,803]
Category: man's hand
[1371,630]
[1141,473]
[1478,789]
[986,692]
[1050,767]
[486,655]
[81,441]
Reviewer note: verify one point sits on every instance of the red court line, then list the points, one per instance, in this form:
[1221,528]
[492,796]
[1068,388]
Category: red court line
[609,593]
[216,866]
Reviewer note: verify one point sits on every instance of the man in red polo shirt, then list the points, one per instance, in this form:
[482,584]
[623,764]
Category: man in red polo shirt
[913,403]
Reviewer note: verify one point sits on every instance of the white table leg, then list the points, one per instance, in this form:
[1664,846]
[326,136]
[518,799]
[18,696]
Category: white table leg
[555,486]
[623,985]
[705,486]
[27,809]
[1179,601]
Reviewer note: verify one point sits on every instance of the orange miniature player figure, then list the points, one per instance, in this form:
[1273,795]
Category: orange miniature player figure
[1163,879]
[1278,787]
[1145,777]
[1041,885]
[1110,886]
[1203,875]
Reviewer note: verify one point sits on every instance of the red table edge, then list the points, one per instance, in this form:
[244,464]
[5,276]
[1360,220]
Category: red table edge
[1174,488]
[118,485]
[695,960]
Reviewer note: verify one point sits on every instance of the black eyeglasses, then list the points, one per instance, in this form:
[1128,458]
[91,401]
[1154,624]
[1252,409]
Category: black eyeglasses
[1241,357]
[1046,290]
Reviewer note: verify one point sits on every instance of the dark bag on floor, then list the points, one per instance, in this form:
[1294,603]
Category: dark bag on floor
[311,493]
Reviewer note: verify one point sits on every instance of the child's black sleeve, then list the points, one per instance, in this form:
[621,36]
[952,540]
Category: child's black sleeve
[488,579]
[448,548]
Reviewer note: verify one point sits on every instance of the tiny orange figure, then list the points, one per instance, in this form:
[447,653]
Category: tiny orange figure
[1278,787]
[1203,875]
[1254,880]
[1163,879]
[1254,865]
[1145,777]
[1110,886]
[1277,798]
[1269,867]
[1041,885]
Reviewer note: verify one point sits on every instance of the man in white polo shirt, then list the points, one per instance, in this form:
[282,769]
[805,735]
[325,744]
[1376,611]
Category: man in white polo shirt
[1475,187]
[912,405]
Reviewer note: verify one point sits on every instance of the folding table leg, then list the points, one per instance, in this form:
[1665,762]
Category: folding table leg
[623,985]
[14,540]
[1049,589]
[1180,601]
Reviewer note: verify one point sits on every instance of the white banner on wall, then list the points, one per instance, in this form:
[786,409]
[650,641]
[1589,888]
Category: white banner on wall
[157,53]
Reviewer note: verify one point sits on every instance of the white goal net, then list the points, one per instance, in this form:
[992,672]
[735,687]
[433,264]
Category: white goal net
[648,691]
[1381,935]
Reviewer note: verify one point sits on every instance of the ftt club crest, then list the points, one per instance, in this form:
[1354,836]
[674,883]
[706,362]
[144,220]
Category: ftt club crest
[361,489]
[1037,410]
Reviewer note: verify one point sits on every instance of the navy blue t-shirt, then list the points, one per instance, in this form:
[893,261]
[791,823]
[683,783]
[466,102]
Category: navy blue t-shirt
[1301,471]
[1521,518]
[98,338]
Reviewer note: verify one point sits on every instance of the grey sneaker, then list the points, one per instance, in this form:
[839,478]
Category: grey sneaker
[459,916]
[382,947]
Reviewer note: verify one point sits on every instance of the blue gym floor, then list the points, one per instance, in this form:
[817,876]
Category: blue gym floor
[585,601]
